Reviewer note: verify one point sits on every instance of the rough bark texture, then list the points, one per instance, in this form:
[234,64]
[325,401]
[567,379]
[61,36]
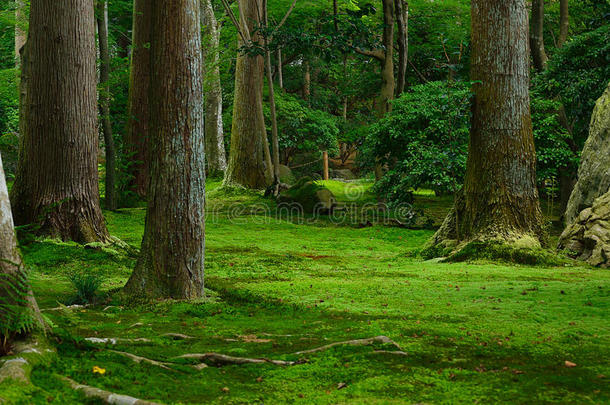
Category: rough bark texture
[500,198]
[401,8]
[537,35]
[594,170]
[102,34]
[11,268]
[564,22]
[139,106]
[246,166]
[56,189]
[214,133]
[388,83]
[171,262]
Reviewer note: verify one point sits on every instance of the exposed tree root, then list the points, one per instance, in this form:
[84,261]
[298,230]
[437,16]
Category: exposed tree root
[177,336]
[114,341]
[217,359]
[106,396]
[64,308]
[139,359]
[356,342]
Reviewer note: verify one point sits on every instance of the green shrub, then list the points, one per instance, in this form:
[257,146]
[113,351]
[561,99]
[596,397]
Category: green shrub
[87,284]
[15,315]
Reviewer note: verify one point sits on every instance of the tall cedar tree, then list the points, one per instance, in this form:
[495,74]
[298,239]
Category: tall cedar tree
[214,134]
[56,187]
[139,107]
[248,134]
[500,198]
[171,262]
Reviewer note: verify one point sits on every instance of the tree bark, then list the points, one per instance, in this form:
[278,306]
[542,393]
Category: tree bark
[401,8]
[56,188]
[248,134]
[388,83]
[564,22]
[306,80]
[500,198]
[14,288]
[214,132]
[138,132]
[171,262]
[104,96]
[280,69]
[270,85]
[537,35]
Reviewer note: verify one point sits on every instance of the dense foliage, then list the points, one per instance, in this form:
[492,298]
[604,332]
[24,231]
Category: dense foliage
[423,141]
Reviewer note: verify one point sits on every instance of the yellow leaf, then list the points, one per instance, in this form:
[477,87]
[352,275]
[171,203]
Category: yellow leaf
[99,370]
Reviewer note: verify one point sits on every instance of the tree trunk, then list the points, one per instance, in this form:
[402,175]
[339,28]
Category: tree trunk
[564,22]
[20,30]
[401,8]
[246,166]
[306,80]
[139,106]
[388,83]
[214,132]
[102,33]
[171,262]
[537,35]
[500,198]
[56,188]
[14,287]
[280,69]
[270,85]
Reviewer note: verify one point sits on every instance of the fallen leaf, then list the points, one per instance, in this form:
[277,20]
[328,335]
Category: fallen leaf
[569,364]
[341,386]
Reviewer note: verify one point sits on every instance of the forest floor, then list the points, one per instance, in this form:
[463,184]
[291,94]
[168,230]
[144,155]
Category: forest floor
[464,333]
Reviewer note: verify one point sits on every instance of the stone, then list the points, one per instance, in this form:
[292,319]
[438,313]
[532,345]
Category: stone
[286,175]
[594,171]
[342,174]
[309,197]
[588,238]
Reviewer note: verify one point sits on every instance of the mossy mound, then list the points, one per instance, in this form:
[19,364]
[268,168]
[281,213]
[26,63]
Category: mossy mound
[286,175]
[494,250]
[309,197]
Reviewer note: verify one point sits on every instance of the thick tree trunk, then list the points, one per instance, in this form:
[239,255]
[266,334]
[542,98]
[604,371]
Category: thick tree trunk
[171,262]
[388,83]
[500,198]
[537,35]
[248,134]
[564,22]
[401,8]
[102,33]
[14,288]
[139,106]
[20,30]
[214,132]
[56,188]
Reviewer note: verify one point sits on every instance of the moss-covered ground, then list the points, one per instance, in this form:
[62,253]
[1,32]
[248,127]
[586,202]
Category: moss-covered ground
[472,332]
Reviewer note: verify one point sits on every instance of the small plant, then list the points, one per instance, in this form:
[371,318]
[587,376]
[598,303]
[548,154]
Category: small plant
[87,284]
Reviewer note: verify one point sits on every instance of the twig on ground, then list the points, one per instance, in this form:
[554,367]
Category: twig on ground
[217,359]
[177,336]
[106,396]
[140,359]
[355,342]
[114,341]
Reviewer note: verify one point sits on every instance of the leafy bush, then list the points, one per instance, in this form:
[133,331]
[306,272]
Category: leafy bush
[86,284]
[423,141]
[302,129]
[576,76]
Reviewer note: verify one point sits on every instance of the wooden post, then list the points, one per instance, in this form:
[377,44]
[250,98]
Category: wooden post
[325,157]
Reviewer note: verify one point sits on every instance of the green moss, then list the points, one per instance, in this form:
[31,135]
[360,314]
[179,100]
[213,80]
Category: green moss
[483,331]
[520,252]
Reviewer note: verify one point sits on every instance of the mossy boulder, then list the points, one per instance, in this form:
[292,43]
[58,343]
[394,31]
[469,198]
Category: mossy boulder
[594,170]
[342,174]
[286,175]
[309,197]
[588,238]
